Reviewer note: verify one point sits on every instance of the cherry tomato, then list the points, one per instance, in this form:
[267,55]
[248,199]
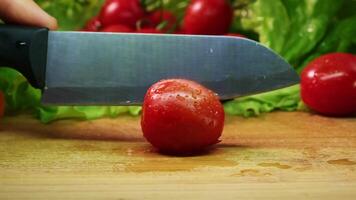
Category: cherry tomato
[236,35]
[117,28]
[125,12]
[2,104]
[179,31]
[93,25]
[181,116]
[211,17]
[328,84]
[148,30]
[162,16]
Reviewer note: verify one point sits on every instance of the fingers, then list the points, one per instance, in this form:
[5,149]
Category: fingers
[26,12]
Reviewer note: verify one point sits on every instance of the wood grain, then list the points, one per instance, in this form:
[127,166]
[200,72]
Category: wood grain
[276,156]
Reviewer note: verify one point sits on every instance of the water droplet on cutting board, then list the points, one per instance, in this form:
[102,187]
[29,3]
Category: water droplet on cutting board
[344,161]
[277,165]
[251,172]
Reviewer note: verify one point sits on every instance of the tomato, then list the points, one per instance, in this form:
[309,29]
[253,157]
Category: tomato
[181,116]
[162,16]
[2,104]
[148,30]
[211,17]
[117,28]
[236,35]
[92,24]
[125,12]
[328,84]
[179,31]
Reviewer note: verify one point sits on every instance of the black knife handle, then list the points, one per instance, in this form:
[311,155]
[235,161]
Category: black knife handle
[25,49]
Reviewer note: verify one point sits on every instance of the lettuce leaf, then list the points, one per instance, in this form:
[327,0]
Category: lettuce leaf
[49,114]
[71,14]
[292,28]
[341,38]
[285,99]
[19,94]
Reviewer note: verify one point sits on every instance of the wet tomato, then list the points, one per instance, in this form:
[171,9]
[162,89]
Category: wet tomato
[236,35]
[125,12]
[181,116]
[92,24]
[208,17]
[162,17]
[148,30]
[328,84]
[117,28]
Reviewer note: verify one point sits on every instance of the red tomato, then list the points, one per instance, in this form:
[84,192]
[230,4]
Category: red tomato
[125,12]
[180,32]
[148,30]
[236,35]
[158,17]
[117,28]
[93,25]
[181,116]
[2,104]
[211,17]
[328,84]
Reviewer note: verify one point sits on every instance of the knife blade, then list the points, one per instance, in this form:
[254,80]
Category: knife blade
[87,68]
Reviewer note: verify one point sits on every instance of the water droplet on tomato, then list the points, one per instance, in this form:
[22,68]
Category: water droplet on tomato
[180,98]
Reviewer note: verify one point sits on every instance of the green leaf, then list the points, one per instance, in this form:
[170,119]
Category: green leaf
[50,114]
[340,38]
[71,14]
[291,27]
[287,99]
[270,19]
[310,22]
[19,95]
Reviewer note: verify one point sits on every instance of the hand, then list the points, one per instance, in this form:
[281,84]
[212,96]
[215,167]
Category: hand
[25,12]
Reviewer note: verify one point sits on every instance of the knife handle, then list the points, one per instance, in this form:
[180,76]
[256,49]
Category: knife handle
[25,49]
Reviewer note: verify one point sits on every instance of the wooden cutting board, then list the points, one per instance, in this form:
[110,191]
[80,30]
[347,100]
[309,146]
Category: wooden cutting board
[275,156]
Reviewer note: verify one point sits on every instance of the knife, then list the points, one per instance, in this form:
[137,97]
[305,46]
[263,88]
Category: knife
[91,68]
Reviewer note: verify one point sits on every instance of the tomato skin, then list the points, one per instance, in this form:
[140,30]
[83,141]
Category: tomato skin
[159,16]
[236,35]
[328,84]
[125,12]
[2,104]
[208,17]
[179,32]
[92,25]
[149,30]
[117,29]
[181,116]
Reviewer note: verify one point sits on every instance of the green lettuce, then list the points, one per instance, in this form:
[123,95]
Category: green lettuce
[285,99]
[341,38]
[19,95]
[49,114]
[71,14]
